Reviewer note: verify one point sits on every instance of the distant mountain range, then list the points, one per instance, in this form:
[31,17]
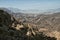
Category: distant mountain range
[33,11]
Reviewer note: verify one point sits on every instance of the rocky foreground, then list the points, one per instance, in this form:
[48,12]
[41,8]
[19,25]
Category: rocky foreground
[11,29]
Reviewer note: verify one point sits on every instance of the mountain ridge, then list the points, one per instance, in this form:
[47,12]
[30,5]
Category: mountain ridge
[33,11]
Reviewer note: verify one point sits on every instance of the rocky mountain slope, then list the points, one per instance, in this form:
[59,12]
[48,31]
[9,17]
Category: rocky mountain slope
[49,24]
[12,29]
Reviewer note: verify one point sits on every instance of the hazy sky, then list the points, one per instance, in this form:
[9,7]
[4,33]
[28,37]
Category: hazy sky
[31,4]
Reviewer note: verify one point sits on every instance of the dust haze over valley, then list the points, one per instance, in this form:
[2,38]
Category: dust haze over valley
[30,20]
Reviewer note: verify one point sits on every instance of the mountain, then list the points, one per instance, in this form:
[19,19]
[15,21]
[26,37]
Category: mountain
[12,29]
[31,11]
[15,10]
[6,9]
[53,10]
